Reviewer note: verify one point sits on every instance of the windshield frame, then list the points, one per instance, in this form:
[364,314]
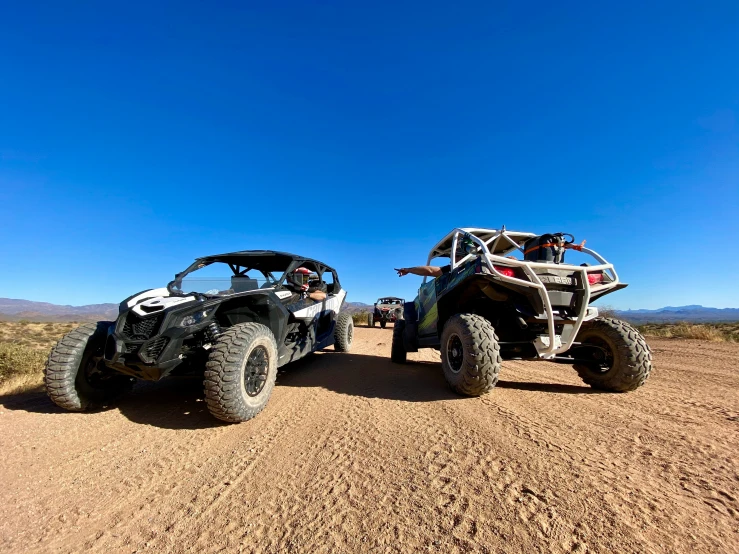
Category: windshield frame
[267,263]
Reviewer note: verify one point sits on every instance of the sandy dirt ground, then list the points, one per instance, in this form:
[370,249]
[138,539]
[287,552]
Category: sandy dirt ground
[356,454]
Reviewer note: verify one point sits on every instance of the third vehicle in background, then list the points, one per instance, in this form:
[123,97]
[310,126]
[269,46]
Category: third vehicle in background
[386,309]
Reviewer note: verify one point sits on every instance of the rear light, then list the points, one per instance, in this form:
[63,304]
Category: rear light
[595,278]
[507,271]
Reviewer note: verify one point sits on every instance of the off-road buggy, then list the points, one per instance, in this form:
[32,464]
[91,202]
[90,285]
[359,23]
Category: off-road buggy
[488,306]
[386,309]
[237,317]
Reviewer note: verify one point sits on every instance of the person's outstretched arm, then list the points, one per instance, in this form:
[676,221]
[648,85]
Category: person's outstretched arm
[422,270]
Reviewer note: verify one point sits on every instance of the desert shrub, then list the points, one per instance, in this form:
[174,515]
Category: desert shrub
[360,318]
[42,336]
[607,311]
[18,359]
[701,331]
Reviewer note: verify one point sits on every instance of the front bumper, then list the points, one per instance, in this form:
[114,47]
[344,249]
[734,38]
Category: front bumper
[148,348]
[387,315]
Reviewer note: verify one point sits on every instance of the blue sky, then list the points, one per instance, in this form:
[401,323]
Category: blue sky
[135,137]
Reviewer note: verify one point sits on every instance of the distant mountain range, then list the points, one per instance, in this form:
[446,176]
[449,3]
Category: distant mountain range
[14,310]
[692,314]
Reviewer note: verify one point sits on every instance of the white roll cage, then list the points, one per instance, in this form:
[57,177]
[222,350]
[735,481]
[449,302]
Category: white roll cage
[495,245]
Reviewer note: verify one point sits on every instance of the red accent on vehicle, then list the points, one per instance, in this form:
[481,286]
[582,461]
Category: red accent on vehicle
[595,278]
[507,271]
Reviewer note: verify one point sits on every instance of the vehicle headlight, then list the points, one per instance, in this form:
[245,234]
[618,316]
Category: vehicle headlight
[193,319]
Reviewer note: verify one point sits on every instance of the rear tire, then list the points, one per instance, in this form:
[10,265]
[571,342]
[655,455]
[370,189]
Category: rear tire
[470,354]
[398,353]
[370,320]
[241,372]
[344,332]
[629,359]
[75,376]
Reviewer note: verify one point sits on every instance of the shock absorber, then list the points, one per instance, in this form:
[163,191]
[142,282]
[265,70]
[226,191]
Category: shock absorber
[212,332]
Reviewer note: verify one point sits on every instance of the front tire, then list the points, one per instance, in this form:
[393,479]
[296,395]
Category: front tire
[241,372]
[470,354]
[75,376]
[628,359]
[398,353]
[344,332]
[370,320]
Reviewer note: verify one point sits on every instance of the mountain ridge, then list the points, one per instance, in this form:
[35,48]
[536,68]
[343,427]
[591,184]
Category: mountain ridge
[14,309]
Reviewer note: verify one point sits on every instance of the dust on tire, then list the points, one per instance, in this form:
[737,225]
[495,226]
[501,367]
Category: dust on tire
[344,332]
[66,373]
[227,372]
[478,365]
[631,357]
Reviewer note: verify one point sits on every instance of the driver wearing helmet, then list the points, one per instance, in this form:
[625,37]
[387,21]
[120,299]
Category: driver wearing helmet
[465,245]
[298,282]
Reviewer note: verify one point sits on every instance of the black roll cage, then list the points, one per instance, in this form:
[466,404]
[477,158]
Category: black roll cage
[264,261]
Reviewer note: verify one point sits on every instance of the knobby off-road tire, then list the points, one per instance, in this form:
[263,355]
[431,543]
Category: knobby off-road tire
[470,354]
[74,379]
[398,353]
[240,372]
[370,320]
[629,362]
[343,332]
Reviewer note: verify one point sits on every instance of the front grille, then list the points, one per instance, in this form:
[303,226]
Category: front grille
[141,328]
[154,349]
[131,348]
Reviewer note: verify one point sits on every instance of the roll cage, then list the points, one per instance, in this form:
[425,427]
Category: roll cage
[268,263]
[383,299]
[494,245]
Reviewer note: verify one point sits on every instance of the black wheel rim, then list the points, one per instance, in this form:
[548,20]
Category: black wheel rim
[455,353]
[605,364]
[94,372]
[257,368]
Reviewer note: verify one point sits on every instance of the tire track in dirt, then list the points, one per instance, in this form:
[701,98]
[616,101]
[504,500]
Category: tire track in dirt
[356,454]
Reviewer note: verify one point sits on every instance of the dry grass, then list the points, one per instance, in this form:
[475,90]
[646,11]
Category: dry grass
[718,332]
[38,336]
[23,350]
[21,367]
[360,318]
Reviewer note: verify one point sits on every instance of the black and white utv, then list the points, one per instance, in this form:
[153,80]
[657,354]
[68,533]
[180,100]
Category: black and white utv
[489,305]
[237,316]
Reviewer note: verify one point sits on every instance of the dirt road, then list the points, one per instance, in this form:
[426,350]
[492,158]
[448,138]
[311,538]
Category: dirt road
[355,454]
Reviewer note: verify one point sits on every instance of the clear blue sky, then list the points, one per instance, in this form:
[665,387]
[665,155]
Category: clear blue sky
[137,136]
